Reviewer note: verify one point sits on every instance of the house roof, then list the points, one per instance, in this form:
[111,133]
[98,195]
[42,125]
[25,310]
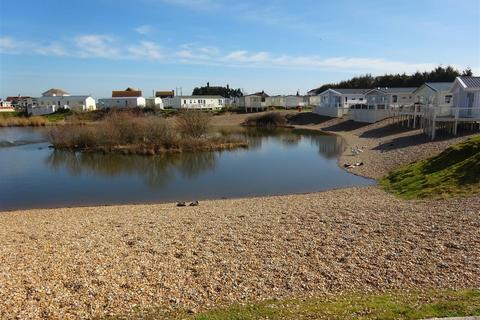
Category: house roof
[200,97]
[55,91]
[470,82]
[439,86]
[350,91]
[394,90]
[129,92]
[164,94]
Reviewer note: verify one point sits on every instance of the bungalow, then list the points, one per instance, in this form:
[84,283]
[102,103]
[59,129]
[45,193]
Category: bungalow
[122,102]
[466,96]
[434,93]
[253,101]
[337,102]
[195,102]
[54,99]
[128,98]
[379,101]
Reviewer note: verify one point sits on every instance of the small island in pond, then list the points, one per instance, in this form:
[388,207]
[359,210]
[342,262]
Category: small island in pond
[144,134]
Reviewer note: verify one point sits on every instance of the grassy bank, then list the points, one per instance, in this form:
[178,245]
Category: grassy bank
[16,120]
[455,171]
[398,305]
[143,134]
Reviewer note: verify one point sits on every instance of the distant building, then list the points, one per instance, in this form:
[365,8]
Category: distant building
[21,103]
[255,101]
[129,92]
[122,102]
[434,93]
[336,102]
[379,101]
[195,102]
[128,98]
[154,103]
[165,94]
[54,99]
[6,106]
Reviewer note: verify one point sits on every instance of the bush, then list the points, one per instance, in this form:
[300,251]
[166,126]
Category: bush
[193,124]
[271,119]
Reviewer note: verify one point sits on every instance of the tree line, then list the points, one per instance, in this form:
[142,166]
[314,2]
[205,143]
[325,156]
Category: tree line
[225,92]
[367,81]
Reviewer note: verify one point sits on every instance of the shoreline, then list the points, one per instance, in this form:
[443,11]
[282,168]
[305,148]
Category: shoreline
[240,250]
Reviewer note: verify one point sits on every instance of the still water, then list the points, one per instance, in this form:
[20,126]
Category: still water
[276,162]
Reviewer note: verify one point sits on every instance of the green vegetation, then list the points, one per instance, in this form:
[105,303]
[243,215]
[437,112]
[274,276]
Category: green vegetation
[396,305]
[142,134]
[225,92]
[270,119]
[439,74]
[455,171]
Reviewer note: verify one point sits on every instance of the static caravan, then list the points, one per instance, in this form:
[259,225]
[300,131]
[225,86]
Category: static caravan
[380,101]
[253,102]
[6,106]
[294,101]
[466,96]
[76,103]
[122,102]
[154,103]
[275,101]
[337,102]
[195,102]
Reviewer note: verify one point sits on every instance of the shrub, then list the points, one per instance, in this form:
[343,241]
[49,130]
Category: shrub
[271,119]
[193,124]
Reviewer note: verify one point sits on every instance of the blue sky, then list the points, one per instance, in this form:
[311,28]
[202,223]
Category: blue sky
[280,46]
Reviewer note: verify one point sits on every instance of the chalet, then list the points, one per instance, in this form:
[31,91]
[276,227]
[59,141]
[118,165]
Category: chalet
[434,93]
[379,102]
[195,102]
[253,101]
[337,102]
[466,96]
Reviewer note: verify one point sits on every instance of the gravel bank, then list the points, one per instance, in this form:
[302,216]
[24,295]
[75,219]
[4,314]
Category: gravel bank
[82,262]
[385,146]
[86,262]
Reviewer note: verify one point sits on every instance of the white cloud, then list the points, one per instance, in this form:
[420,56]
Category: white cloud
[54,49]
[146,49]
[144,29]
[100,46]
[106,47]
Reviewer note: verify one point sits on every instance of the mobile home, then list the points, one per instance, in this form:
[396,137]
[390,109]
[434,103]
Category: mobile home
[337,102]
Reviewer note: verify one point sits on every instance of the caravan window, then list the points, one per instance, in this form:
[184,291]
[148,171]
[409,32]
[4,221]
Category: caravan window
[448,98]
[394,98]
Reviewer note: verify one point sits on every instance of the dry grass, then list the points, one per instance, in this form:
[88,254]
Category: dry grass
[35,121]
[271,119]
[193,124]
[139,134]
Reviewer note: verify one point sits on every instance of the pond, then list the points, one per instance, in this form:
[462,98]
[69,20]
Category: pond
[280,161]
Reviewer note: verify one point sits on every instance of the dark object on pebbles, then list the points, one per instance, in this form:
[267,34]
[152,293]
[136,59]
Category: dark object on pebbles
[181,204]
[194,204]
[349,166]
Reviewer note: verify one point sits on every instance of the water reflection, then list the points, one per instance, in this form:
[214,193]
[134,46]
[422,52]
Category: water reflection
[156,170]
[160,169]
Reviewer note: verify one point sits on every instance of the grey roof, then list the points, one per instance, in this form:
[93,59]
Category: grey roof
[397,90]
[439,86]
[471,82]
[200,97]
[55,91]
[351,91]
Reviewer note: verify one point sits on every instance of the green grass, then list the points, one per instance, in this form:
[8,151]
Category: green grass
[398,305]
[454,172]
[59,115]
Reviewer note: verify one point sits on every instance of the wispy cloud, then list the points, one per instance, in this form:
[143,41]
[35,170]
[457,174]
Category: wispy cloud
[106,47]
[144,29]
[146,50]
[99,46]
